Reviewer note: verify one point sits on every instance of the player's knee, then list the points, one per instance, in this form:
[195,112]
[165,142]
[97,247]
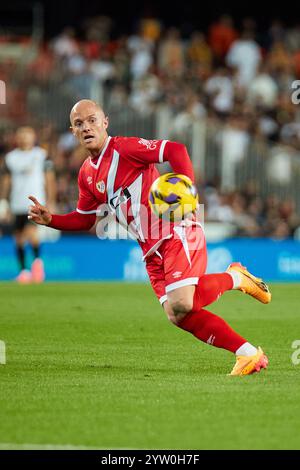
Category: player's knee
[181,306]
[175,319]
[172,318]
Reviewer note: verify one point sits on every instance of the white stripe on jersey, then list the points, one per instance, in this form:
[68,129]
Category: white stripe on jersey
[182,235]
[101,155]
[190,281]
[87,212]
[111,178]
[161,151]
[135,191]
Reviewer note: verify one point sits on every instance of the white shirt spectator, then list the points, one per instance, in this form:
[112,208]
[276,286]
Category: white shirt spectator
[77,64]
[245,55]
[135,43]
[140,62]
[65,45]
[222,88]
[234,144]
[102,69]
[279,167]
[267,126]
[144,92]
[263,89]
[141,55]
[220,212]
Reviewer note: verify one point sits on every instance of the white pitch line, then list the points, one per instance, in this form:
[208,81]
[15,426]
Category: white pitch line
[13,446]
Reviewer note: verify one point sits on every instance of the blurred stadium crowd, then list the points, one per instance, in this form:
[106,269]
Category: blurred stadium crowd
[236,83]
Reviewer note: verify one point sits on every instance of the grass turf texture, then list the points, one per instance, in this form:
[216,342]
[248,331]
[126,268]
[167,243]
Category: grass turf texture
[99,365]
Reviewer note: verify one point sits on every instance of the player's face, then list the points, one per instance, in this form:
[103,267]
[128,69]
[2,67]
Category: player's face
[89,126]
[25,138]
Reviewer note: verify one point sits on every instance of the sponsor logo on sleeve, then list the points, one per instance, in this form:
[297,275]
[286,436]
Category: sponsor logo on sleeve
[150,144]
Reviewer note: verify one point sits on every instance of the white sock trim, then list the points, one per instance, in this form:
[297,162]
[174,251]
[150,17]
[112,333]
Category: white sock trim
[236,277]
[246,350]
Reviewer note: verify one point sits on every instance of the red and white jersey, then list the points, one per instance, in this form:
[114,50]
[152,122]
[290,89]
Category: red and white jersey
[120,178]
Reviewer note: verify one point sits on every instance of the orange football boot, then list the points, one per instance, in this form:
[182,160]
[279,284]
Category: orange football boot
[246,365]
[250,284]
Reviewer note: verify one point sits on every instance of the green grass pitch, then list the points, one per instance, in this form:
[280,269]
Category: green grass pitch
[98,365]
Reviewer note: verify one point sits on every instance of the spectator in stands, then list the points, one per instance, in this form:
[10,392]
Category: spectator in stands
[171,54]
[244,55]
[239,88]
[65,44]
[198,51]
[263,89]
[220,90]
[221,36]
[234,141]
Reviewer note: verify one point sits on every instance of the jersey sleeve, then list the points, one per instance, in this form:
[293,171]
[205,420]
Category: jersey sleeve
[141,150]
[87,203]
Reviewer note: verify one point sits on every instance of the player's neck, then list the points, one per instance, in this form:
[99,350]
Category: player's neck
[96,152]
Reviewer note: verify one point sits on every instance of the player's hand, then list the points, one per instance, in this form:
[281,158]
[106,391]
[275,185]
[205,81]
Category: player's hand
[38,213]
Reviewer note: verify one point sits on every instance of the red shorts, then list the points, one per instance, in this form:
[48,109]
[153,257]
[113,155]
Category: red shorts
[179,261]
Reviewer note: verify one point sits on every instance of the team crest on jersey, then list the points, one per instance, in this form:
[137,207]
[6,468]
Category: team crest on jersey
[100,186]
[150,144]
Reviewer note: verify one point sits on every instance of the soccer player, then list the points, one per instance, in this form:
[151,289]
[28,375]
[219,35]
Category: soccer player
[27,170]
[119,172]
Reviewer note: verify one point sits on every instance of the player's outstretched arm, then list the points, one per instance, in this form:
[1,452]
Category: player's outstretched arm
[39,213]
[74,221]
[177,155]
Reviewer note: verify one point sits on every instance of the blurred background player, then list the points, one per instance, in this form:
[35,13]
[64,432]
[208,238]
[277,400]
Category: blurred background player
[27,169]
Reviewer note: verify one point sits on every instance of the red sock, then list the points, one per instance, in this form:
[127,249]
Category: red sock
[212,329]
[205,325]
[210,287]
